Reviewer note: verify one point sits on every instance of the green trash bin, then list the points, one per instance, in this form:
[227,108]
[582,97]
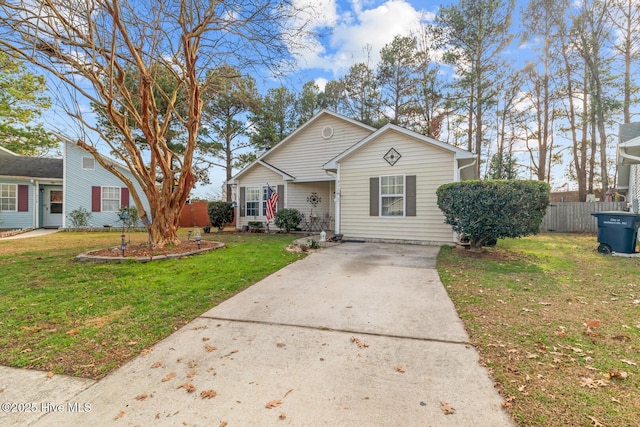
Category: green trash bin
[617,231]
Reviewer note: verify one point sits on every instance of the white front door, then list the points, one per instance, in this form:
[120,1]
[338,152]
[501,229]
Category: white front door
[53,207]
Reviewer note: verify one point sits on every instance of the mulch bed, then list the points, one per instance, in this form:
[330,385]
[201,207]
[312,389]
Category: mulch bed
[142,250]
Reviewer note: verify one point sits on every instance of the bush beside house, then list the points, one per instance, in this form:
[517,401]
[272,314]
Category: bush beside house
[494,209]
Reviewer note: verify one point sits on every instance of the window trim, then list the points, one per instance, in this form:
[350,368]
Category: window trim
[247,191]
[15,197]
[381,195]
[102,198]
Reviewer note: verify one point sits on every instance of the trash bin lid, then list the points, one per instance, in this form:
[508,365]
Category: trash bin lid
[616,213]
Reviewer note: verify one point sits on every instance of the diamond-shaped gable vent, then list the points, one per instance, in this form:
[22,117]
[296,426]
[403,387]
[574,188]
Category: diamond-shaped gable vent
[392,156]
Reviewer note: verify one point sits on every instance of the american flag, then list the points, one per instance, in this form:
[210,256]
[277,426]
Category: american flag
[272,202]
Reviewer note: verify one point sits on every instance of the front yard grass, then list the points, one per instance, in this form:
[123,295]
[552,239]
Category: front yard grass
[557,325]
[86,319]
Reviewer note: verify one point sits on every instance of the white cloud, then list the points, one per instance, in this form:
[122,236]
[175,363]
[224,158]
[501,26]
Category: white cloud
[353,26]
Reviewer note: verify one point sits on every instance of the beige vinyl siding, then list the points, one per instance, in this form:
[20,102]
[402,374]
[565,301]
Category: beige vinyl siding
[303,156]
[432,168]
[297,194]
[259,176]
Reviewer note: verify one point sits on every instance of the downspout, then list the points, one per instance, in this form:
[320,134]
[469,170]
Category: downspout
[457,178]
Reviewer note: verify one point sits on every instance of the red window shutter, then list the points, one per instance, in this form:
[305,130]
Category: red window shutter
[23,198]
[96,199]
[124,197]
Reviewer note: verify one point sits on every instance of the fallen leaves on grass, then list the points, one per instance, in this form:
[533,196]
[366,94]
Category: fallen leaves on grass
[629,362]
[359,343]
[208,394]
[595,422]
[591,383]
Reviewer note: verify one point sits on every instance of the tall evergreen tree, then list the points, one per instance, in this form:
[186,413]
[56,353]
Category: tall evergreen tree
[477,32]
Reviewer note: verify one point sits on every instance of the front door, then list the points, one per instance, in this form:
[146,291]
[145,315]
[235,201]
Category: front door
[53,207]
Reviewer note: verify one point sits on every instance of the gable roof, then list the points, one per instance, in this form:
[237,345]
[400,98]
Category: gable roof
[300,129]
[30,167]
[459,153]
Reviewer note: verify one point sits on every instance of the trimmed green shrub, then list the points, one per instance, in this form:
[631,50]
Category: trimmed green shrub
[493,209]
[288,219]
[79,217]
[220,213]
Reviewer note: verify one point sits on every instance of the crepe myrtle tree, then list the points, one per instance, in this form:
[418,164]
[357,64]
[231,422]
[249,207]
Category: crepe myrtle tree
[89,51]
[493,209]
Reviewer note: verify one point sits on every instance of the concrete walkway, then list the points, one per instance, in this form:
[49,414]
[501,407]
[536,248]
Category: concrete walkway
[33,233]
[353,335]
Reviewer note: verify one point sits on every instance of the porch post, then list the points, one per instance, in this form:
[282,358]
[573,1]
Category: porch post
[337,201]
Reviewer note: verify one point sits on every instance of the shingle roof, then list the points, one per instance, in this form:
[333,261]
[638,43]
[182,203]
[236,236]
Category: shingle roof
[33,167]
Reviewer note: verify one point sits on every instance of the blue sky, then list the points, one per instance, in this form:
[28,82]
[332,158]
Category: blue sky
[351,25]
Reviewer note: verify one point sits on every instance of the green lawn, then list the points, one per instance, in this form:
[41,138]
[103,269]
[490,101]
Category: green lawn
[557,324]
[86,319]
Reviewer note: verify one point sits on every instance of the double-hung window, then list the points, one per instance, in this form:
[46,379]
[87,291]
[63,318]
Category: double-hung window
[392,195]
[110,199]
[252,201]
[9,197]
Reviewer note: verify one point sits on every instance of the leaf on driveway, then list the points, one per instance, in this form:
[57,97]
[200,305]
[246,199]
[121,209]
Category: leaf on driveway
[156,365]
[50,374]
[359,343]
[210,348]
[400,369]
[120,415]
[168,377]
[142,396]
[208,394]
[447,409]
[282,416]
[274,403]
[189,387]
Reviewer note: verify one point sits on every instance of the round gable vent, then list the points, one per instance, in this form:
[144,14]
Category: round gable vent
[327,132]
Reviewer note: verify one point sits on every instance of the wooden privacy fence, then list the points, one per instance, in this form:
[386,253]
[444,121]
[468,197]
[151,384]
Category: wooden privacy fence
[576,216]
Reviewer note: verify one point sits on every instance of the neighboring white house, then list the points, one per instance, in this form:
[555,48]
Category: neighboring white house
[352,179]
[628,161]
[40,192]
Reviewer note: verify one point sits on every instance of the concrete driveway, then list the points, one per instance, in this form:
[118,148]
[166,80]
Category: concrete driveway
[353,335]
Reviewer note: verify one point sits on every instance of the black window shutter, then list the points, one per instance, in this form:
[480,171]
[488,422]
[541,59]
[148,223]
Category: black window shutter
[411,195]
[280,197]
[374,196]
[242,199]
